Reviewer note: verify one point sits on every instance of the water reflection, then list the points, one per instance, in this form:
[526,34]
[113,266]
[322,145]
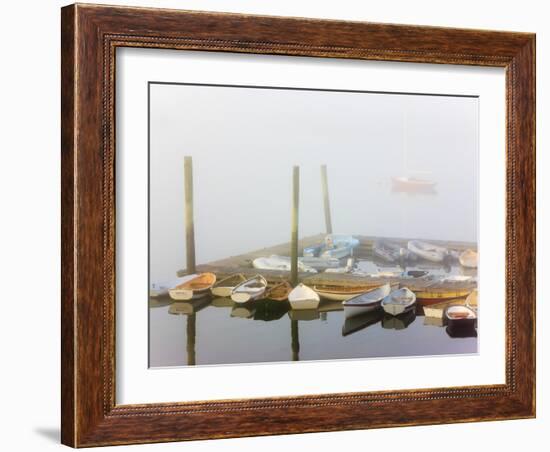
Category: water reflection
[461,332]
[218,331]
[188,307]
[399,322]
[360,322]
[268,310]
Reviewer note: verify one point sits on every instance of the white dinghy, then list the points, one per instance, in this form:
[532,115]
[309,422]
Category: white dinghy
[251,289]
[366,302]
[303,297]
[399,301]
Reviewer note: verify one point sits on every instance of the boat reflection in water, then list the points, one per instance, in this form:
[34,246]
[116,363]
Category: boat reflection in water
[269,330]
[190,309]
[434,321]
[398,322]
[362,321]
[244,310]
[269,310]
[461,332]
[304,314]
[159,302]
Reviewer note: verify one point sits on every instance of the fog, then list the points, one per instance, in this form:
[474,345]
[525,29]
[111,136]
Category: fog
[245,141]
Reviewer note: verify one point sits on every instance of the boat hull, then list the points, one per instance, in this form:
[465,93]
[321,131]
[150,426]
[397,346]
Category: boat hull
[397,309]
[337,253]
[426,251]
[399,302]
[355,310]
[244,297]
[222,291]
[337,296]
[426,298]
[250,290]
[187,294]
[304,304]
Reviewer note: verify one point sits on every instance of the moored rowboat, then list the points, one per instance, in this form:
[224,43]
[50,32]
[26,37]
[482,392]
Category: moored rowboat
[366,302]
[399,301]
[279,292]
[341,293]
[429,295]
[160,289]
[197,287]
[251,289]
[303,297]
[437,310]
[460,317]
[225,286]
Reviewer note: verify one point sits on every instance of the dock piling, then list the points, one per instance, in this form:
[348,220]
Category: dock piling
[326,199]
[189,215]
[294,225]
[295,340]
[191,338]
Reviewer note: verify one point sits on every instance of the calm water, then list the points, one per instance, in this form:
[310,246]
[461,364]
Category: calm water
[216,331]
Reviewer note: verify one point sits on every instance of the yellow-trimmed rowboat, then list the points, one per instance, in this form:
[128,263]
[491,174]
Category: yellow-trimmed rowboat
[341,293]
[279,291]
[429,296]
[197,287]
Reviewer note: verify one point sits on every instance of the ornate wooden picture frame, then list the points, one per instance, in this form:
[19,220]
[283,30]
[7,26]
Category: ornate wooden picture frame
[90,37]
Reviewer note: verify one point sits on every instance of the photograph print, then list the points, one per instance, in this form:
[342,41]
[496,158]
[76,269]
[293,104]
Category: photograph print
[291,224]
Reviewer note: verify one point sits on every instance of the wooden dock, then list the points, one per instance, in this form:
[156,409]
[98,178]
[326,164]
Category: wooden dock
[243,264]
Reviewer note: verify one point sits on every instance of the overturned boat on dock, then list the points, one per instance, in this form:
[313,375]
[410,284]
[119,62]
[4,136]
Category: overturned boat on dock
[428,251]
[334,246]
[281,263]
[392,252]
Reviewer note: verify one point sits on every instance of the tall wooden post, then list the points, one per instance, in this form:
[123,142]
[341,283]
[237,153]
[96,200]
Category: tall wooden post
[294,225]
[191,338]
[326,199]
[189,216]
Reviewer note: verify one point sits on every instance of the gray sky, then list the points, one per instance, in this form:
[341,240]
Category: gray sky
[245,141]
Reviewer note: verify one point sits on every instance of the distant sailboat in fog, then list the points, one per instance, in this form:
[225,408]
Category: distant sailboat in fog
[411,184]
